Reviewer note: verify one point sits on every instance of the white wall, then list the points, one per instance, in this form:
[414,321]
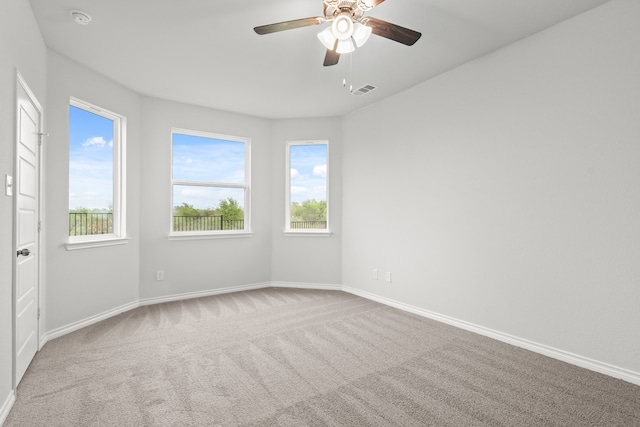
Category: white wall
[84,283]
[505,193]
[200,265]
[297,259]
[22,48]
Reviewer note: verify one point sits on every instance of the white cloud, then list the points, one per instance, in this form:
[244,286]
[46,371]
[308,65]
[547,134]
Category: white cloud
[96,143]
[320,171]
[294,173]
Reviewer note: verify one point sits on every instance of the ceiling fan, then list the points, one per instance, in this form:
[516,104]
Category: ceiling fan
[349,27]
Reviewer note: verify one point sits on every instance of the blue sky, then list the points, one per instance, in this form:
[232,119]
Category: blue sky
[90,160]
[197,158]
[308,172]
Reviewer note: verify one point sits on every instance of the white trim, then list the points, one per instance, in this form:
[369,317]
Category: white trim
[72,327]
[6,406]
[118,209]
[307,233]
[211,135]
[96,243]
[287,190]
[298,285]
[44,338]
[246,185]
[565,356]
[574,359]
[200,294]
[212,184]
[210,235]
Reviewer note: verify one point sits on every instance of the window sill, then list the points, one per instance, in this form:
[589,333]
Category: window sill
[307,233]
[97,243]
[209,236]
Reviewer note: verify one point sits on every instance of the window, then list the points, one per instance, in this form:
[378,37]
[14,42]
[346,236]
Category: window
[210,184]
[307,209]
[96,173]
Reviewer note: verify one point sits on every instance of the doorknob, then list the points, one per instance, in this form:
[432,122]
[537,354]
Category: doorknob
[24,252]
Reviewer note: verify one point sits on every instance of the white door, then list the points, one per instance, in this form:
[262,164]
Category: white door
[26,195]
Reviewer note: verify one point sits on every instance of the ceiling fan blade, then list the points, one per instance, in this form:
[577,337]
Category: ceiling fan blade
[288,25]
[332,57]
[392,31]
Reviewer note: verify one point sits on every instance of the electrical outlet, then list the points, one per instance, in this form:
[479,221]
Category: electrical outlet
[159,275]
[374,274]
[388,277]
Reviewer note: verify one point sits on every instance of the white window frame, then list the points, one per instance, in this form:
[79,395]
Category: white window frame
[214,234]
[288,231]
[119,235]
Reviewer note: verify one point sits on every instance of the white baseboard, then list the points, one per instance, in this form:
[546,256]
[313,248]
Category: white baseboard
[565,356]
[299,285]
[199,294]
[43,340]
[584,362]
[63,330]
[6,406]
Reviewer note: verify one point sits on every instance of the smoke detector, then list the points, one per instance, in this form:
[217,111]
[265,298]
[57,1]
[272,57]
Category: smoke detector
[80,17]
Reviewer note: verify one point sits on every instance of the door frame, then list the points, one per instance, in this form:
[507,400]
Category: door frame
[21,84]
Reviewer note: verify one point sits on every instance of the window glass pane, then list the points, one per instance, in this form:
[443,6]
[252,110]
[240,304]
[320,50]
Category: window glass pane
[91,161]
[210,182]
[308,186]
[201,208]
[202,159]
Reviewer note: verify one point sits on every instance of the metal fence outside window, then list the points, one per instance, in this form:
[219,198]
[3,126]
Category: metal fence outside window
[90,223]
[308,225]
[206,223]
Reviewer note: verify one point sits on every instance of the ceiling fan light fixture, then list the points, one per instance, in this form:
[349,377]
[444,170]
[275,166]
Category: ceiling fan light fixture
[342,26]
[348,33]
[361,34]
[345,46]
[327,38]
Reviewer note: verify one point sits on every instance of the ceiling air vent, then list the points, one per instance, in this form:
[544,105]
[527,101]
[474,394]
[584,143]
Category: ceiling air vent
[364,90]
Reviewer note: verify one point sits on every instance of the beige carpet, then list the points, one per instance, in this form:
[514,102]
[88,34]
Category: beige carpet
[290,357]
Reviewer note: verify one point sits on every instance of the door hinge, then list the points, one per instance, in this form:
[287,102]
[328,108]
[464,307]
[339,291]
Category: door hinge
[38,312]
[41,134]
[39,225]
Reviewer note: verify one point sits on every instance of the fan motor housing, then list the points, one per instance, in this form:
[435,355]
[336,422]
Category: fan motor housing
[355,8]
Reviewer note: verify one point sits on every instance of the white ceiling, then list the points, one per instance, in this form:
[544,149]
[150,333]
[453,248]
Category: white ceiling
[205,52]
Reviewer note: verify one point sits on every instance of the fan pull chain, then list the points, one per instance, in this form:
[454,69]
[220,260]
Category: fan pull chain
[350,72]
